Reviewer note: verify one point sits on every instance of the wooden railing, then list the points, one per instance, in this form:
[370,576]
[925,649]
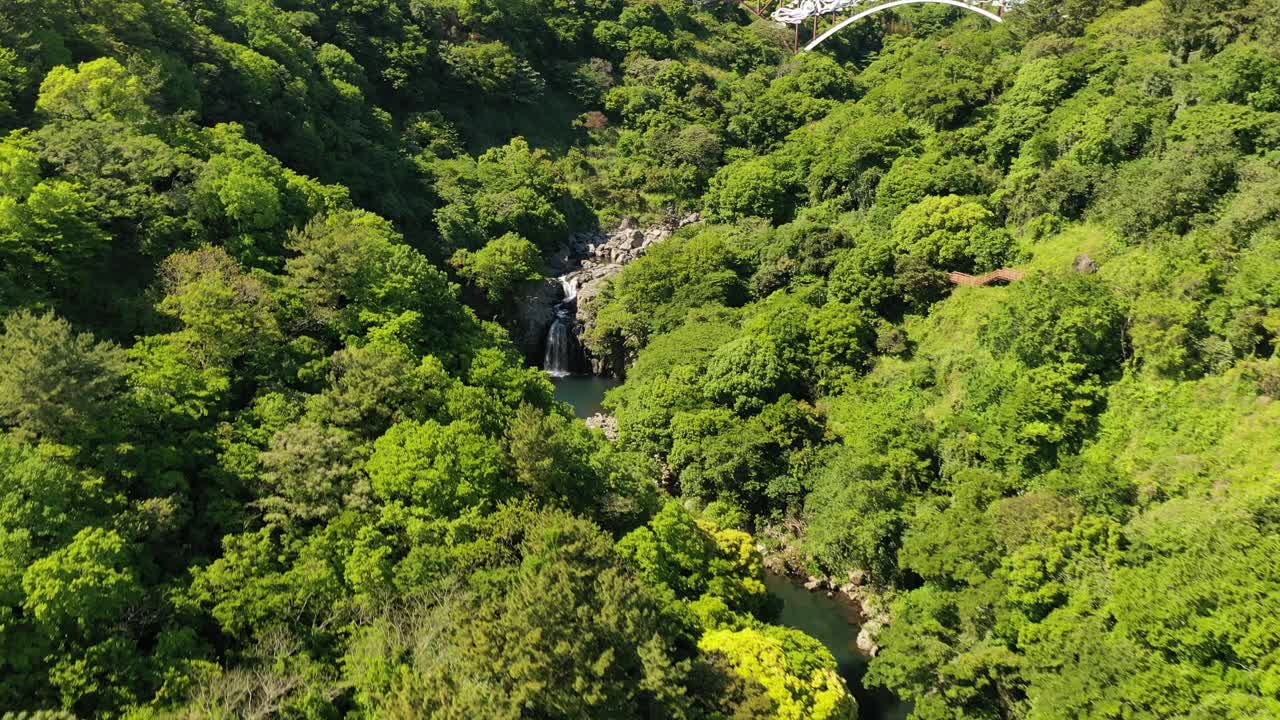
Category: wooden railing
[1003,274]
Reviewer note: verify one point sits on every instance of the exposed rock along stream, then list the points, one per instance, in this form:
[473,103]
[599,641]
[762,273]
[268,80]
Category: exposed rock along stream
[552,315]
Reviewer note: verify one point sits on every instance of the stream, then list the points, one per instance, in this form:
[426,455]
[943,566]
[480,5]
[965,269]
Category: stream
[830,621]
[834,624]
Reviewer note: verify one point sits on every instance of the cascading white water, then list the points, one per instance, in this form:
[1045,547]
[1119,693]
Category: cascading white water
[558,360]
[561,356]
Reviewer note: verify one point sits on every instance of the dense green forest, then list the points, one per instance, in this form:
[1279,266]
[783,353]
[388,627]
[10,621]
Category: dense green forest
[268,449]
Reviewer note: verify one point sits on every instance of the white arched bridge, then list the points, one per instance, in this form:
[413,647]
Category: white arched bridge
[839,14]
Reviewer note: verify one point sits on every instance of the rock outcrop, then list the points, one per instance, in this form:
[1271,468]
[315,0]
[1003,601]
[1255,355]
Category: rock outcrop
[532,313]
[593,258]
[1085,264]
[607,424]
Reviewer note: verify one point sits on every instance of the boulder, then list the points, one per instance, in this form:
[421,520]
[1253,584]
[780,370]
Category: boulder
[866,641]
[607,424]
[1085,264]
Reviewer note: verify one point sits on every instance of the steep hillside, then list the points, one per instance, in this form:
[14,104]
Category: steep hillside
[267,449]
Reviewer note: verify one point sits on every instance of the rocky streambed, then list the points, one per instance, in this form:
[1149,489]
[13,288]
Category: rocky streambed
[779,545]
[583,265]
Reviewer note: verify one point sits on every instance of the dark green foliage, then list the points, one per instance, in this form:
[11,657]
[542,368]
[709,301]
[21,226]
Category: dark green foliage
[1059,319]
[258,458]
[56,384]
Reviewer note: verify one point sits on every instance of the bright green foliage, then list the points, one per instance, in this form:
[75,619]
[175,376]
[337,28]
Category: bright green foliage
[1246,314]
[260,582]
[857,514]
[77,590]
[747,462]
[573,636]
[10,76]
[19,166]
[49,240]
[950,233]
[375,385]
[1029,417]
[73,596]
[558,462]
[225,313]
[441,469]
[807,88]
[656,292]
[168,388]
[1208,25]
[695,561]
[746,374]
[494,70]
[1062,319]
[957,544]
[1039,85]
[666,392]
[912,178]
[932,645]
[45,502]
[753,188]
[840,340]
[849,158]
[310,472]
[353,273]
[509,189]
[98,90]
[796,671]
[1066,18]
[500,265]
[999,450]
[248,200]
[270,464]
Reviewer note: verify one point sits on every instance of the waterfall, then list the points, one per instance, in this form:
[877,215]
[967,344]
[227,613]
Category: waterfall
[563,356]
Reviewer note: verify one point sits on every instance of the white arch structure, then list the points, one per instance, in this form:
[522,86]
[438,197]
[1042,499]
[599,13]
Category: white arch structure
[799,11]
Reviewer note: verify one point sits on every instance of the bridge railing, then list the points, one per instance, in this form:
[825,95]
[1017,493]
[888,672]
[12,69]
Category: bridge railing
[1002,275]
[798,11]
[817,16]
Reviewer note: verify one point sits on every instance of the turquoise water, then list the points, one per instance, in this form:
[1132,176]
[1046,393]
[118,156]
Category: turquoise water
[584,392]
[834,624]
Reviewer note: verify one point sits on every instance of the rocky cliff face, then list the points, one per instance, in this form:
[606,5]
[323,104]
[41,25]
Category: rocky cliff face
[532,314]
[591,258]
[602,257]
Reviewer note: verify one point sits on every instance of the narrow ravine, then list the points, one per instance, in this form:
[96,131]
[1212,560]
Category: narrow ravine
[830,620]
[835,624]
